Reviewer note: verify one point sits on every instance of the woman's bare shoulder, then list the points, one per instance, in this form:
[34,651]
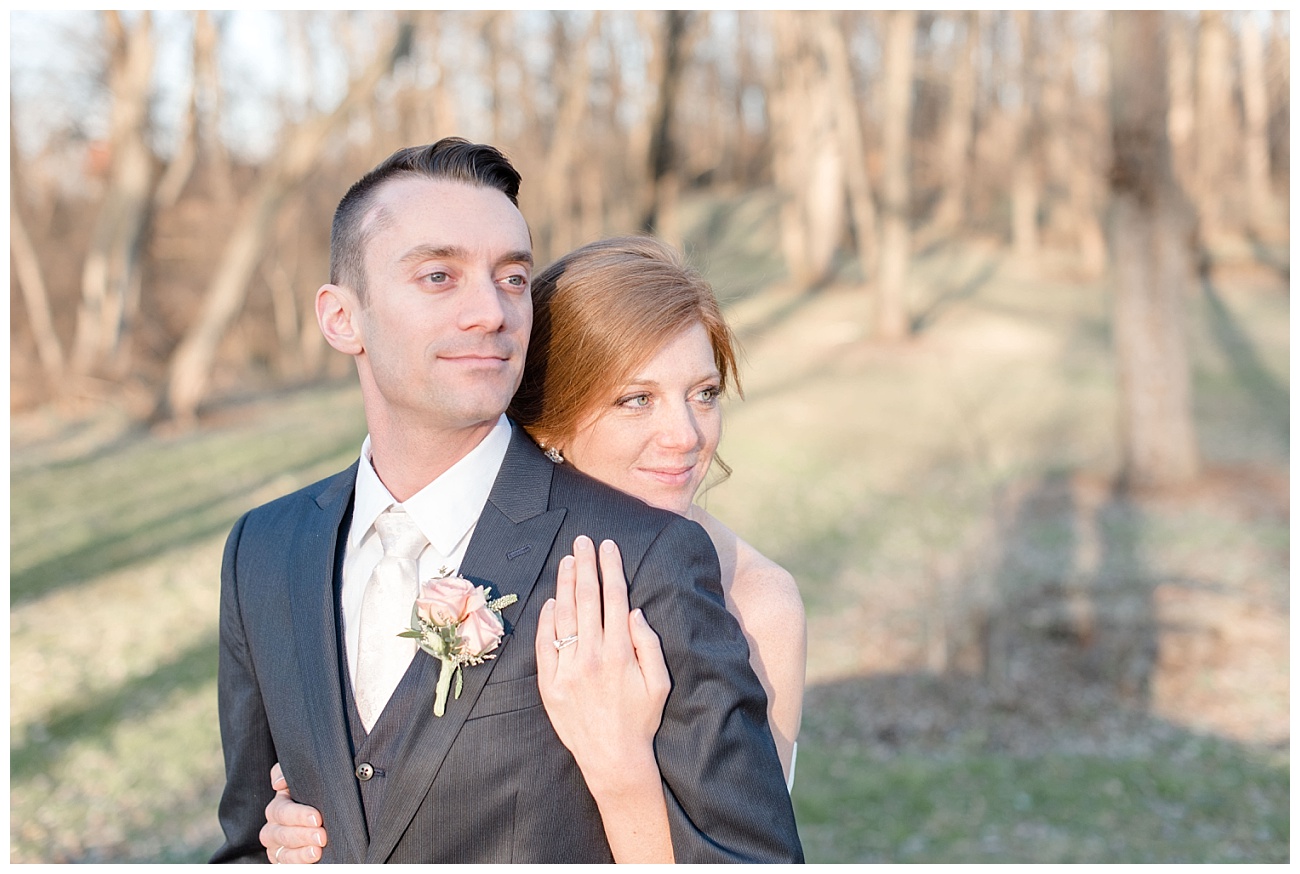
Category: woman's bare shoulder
[756,578]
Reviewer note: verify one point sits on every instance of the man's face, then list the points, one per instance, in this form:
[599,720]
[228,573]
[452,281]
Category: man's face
[449,310]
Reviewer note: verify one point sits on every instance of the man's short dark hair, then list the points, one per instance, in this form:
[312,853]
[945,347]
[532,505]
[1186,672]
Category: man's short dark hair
[452,158]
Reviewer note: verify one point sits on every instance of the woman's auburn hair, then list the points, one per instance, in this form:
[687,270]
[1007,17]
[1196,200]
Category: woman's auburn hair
[599,313]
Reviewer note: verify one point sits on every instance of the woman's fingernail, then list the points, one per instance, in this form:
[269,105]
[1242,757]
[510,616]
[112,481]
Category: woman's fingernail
[566,562]
[607,547]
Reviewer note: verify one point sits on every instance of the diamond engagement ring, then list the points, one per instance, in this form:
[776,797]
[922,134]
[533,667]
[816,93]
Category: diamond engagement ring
[565,641]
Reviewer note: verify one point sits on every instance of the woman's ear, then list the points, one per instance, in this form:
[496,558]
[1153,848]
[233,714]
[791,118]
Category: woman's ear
[337,314]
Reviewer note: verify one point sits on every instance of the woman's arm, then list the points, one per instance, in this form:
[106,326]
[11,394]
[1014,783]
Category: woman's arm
[604,692]
[765,600]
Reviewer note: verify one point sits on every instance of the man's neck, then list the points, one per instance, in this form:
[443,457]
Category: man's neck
[408,459]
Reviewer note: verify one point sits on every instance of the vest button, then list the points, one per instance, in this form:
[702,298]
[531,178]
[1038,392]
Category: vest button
[365,771]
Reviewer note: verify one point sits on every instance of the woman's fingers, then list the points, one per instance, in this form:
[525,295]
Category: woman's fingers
[587,593]
[649,655]
[614,594]
[544,644]
[566,607]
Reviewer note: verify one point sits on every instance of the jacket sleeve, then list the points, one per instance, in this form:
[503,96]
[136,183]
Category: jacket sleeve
[726,794]
[245,733]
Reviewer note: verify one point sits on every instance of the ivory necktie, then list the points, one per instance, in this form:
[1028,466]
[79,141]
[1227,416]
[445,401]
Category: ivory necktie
[382,656]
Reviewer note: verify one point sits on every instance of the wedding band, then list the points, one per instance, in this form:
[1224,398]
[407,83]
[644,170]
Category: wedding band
[277,855]
[565,641]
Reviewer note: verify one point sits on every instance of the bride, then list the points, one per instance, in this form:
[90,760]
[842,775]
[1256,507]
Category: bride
[628,360]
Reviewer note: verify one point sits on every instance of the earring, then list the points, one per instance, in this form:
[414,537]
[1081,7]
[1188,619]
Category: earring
[554,455]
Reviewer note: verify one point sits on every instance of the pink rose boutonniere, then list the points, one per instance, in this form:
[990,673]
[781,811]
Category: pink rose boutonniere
[454,621]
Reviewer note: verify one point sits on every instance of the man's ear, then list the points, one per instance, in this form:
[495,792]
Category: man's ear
[337,313]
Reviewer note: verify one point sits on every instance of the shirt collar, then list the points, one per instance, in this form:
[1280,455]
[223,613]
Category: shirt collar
[447,508]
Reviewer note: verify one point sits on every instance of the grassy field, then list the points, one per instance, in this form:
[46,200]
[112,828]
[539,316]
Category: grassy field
[1008,662]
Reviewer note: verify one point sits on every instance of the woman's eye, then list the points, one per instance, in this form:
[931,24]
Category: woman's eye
[710,394]
[635,401]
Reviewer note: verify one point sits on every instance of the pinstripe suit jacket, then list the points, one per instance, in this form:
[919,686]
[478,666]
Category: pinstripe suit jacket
[489,781]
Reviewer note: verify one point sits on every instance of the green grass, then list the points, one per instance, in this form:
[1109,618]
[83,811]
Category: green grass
[1198,801]
[910,490]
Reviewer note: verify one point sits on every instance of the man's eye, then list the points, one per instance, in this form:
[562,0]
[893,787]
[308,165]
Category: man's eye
[437,276]
[517,281]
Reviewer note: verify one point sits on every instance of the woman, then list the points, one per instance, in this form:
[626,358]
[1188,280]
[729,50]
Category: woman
[628,361]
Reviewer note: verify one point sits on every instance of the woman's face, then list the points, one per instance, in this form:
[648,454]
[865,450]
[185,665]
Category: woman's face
[655,436]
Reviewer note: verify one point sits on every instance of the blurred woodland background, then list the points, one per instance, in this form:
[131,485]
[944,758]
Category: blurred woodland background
[1013,289]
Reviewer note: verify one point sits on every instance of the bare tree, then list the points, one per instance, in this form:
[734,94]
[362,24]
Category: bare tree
[806,160]
[1214,123]
[191,364]
[559,204]
[958,129]
[852,144]
[892,322]
[1254,94]
[31,280]
[111,273]
[1026,181]
[1151,242]
[1182,98]
[664,180]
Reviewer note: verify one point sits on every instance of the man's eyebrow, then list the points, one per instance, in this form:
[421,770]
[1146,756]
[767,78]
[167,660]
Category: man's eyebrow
[425,252]
[523,256]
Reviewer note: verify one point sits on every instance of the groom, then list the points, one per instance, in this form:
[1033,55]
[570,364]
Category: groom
[430,268]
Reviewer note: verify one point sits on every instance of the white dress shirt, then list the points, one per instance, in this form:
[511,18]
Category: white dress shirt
[446,510]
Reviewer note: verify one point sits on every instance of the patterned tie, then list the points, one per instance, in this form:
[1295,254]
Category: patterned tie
[382,656]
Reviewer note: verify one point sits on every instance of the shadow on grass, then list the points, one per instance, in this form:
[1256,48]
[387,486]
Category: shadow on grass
[93,717]
[1271,398]
[922,768]
[924,319]
[172,524]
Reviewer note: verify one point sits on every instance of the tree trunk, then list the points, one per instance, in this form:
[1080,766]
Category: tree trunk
[559,233]
[895,242]
[191,364]
[1151,243]
[113,258]
[1254,93]
[959,131]
[806,159]
[36,298]
[663,163]
[848,129]
[1026,183]
[1214,123]
[1182,101]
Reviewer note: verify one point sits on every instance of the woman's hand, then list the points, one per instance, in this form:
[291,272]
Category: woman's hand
[293,834]
[605,691]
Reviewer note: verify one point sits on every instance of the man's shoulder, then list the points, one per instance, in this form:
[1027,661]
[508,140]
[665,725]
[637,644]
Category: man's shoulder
[600,510]
[323,493]
[587,496]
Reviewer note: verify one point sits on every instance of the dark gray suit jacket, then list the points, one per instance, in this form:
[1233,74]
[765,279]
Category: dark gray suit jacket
[489,781]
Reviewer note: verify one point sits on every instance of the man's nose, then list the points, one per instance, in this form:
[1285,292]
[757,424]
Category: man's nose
[481,304]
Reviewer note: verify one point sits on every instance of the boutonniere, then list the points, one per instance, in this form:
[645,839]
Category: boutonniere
[454,621]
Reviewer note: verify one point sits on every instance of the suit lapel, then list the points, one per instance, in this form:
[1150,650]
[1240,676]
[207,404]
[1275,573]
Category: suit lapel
[511,541]
[315,553]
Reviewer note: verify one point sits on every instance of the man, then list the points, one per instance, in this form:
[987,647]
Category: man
[429,293]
